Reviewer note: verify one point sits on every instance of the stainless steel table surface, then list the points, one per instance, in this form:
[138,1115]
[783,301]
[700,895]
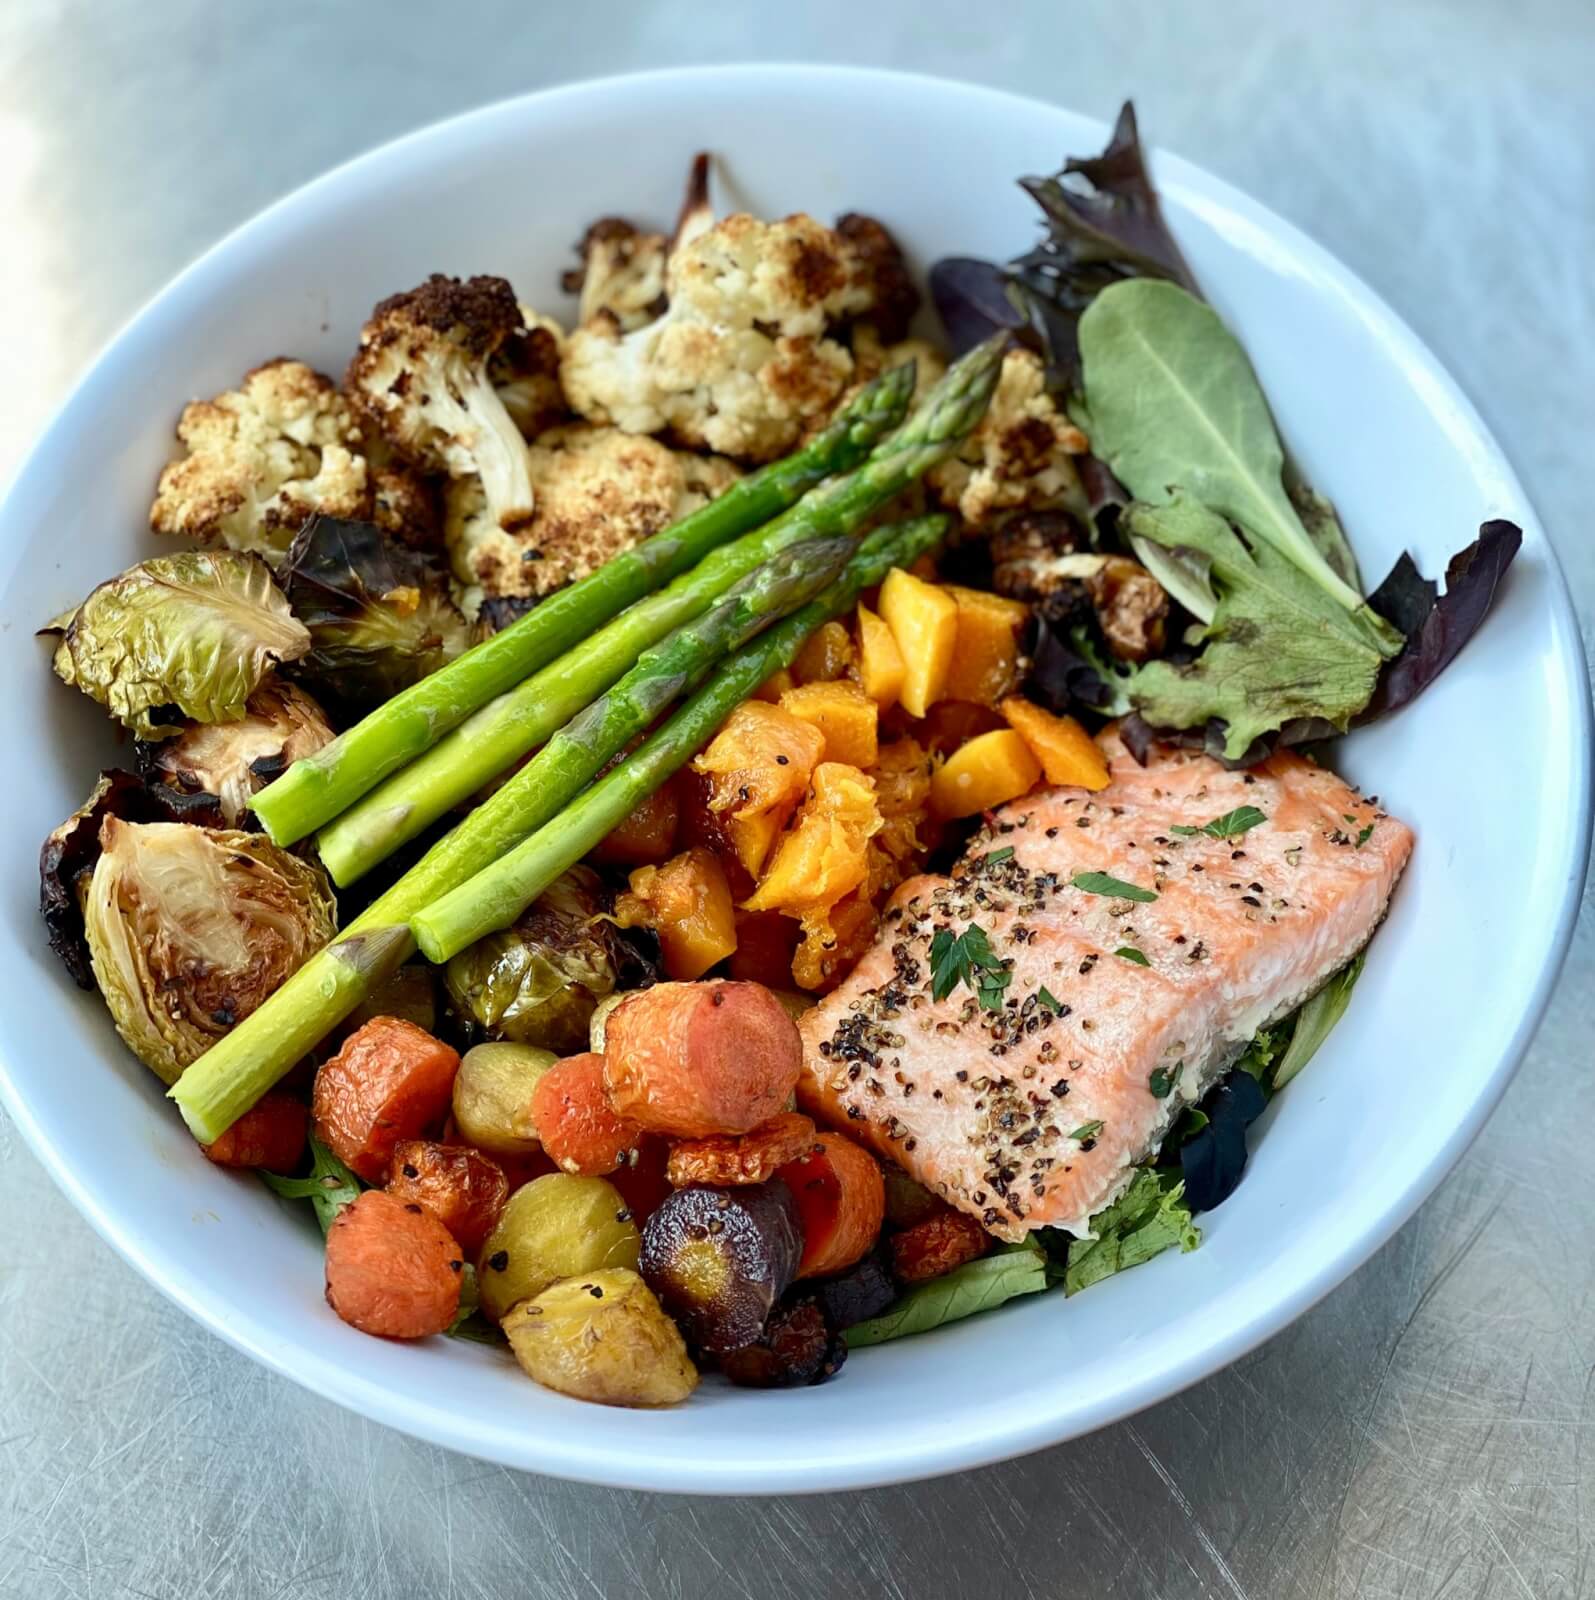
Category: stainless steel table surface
[1424,1432]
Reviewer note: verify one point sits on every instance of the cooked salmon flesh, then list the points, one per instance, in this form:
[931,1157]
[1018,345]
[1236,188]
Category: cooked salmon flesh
[1135,940]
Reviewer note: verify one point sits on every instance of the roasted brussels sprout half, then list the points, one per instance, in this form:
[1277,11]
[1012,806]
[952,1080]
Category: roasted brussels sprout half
[232,760]
[538,982]
[67,857]
[493,1096]
[409,994]
[602,1336]
[719,1259]
[185,636]
[380,617]
[798,1346]
[190,929]
[554,1227]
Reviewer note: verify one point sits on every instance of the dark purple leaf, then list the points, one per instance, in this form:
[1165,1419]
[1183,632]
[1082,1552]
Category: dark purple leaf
[1060,677]
[1212,1162]
[1437,626]
[972,301]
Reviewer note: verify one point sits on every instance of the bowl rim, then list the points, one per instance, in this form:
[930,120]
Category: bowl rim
[564,1454]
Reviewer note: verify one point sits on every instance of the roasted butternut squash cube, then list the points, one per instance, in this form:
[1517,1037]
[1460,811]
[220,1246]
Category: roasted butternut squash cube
[758,766]
[924,622]
[1067,753]
[843,713]
[766,942]
[647,835]
[823,856]
[687,902]
[827,653]
[902,796]
[988,771]
[951,723]
[985,663]
[833,941]
[880,662]
[775,685]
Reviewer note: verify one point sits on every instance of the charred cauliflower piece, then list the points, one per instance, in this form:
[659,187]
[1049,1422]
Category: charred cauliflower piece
[1020,458]
[621,276]
[739,361]
[525,372]
[262,460]
[598,491]
[421,377]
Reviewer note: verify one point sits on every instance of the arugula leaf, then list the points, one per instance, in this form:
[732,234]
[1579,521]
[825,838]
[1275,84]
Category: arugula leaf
[1229,826]
[1128,952]
[1279,647]
[1151,1216]
[1173,402]
[970,960]
[1316,1017]
[977,1286]
[329,1188]
[1103,883]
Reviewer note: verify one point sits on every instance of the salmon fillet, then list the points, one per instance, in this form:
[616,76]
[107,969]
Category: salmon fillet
[1030,1108]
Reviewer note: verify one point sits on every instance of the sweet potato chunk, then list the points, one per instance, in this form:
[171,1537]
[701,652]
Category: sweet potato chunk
[687,902]
[759,766]
[843,713]
[693,1059]
[393,1269]
[985,662]
[390,1081]
[988,771]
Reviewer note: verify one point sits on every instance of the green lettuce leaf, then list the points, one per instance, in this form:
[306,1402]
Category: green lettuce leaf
[1148,1218]
[1279,647]
[1315,1018]
[329,1188]
[1009,1272]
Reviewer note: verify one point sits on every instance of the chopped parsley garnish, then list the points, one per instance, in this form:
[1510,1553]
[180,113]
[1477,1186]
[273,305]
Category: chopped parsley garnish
[1229,826]
[1161,1083]
[1128,952]
[970,960]
[1364,835]
[1116,888]
[1086,1130]
[994,856]
[1050,1001]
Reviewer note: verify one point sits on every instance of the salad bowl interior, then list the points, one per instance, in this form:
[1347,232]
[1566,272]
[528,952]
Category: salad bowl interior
[1491,769]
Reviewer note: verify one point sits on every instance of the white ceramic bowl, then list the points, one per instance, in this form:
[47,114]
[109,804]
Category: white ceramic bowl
[1492,768]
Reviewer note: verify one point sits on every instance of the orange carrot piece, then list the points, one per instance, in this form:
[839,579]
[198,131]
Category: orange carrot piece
[464,1189]
[725,1160]
[393,1269]
[576,1124]
[691,1059]
[271,1134]
[938,1244]
[841,1202]
[390,1081]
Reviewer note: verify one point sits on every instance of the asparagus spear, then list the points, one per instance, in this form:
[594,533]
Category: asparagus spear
[498,894]
[503,731]
[233,1074]
[318,788]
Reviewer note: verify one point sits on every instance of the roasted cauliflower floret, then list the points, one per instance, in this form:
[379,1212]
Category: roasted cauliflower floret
[598,491]
[262,459]
[1020,458]
[872,356]
[739,362]
[622,274]
[421,377]
[525,372]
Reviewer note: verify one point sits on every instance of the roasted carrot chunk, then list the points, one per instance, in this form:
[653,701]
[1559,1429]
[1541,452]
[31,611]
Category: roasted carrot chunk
[392,1268]
[841,1201]
[691,1059]
[390,1081]
[271,1134]
[726,1160]
[937,1245]
[464,1189]
[577,1125]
